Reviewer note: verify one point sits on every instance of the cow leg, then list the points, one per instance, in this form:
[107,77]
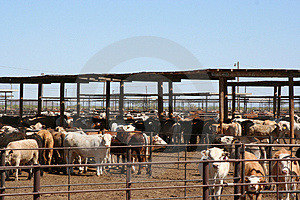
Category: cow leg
[218,190]
[80,162]
[85,167]
[17,170]
[99,168]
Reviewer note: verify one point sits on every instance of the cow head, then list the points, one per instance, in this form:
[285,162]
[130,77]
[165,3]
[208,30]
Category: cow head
[158,140]
[106,140]
[215,154]
[226,140]
[8,156]
[285,165]
[254,186]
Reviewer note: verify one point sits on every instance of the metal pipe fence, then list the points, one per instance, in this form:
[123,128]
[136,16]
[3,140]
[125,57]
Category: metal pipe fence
[237,181]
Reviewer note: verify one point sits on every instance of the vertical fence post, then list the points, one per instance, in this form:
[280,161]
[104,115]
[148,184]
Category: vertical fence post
[37,182]
[185,165]
[270,156]
[128,174]
[237,171]
[205,181]
[2,173]
[150,154]
[243,171]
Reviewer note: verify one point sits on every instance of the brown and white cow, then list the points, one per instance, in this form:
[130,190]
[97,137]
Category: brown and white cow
[264,131]
[15,157]
[233,129]
[288,171]
[254,174]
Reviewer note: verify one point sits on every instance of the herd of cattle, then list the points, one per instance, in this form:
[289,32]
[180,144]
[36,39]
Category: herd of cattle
[46,132]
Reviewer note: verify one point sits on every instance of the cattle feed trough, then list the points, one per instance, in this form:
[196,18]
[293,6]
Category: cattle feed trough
[181,159]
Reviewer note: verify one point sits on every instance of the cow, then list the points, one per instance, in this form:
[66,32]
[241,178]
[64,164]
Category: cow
[286,129]
[254,174]
[136,139]
[8,129]
[94,146]
[230,141]
[7,138]
[58,154]
[19,157]
[47,143]
[217,170]
[288,171]
[233,129]
[264,131]
[170,131]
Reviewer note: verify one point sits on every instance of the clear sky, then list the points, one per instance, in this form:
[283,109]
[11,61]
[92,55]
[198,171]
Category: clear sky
[61,37]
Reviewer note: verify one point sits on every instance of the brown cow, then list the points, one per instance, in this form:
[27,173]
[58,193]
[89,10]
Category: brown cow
[233,129]
[254,173]
[48,143]
[288,171]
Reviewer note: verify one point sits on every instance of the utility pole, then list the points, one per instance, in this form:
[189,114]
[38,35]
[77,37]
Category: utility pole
[238,88]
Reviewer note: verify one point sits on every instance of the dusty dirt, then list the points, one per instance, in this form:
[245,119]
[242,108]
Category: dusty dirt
[114,179]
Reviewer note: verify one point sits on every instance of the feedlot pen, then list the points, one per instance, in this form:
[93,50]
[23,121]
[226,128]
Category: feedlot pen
[175,175]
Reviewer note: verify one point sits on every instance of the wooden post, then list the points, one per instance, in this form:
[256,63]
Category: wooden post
[225,99]
[233,101]
[121,98]
[274,102]
[107,103]
[291,108]
[78,99]
[160,100]
[62,103]
[21,100]
[278,102]
[40,88]
[170,99]
[221,103]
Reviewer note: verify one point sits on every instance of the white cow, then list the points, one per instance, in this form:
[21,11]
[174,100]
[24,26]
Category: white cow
[286,128]
[8,129]
[115,127]
[217,170]
[95,146]
[19,157]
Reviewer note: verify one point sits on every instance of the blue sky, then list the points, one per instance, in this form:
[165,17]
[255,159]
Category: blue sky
[60,37]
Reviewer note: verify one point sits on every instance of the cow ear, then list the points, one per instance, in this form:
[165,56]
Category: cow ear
[226,154]
[246,180]
[204,152]
[10,152]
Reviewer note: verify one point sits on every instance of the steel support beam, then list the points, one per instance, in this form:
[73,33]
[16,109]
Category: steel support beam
[62,103]
[107,103]
[170,99]
[78,99]
[274,102]
[160,100]
[221,102]
[21,100]
[291,109]
[121,98]
[40,91]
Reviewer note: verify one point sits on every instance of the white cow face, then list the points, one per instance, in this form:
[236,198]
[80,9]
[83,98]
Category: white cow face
[8,156]
[226,140]
[215,154]
[285,165]
[253,180]
[106,139]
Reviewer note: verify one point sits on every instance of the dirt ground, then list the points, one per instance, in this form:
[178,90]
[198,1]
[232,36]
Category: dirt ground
[172,175]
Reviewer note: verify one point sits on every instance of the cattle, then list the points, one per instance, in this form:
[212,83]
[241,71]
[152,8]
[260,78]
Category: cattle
[8,129]
[136,139]
[170,131]
[7,138]
[233,129]
[264,131]
[19,157]
[254,174]
[286,129]
[47,121]
[115,127]
[230,141]
[95,146]
[217,170]
[47,143]
[288,171]
[58,154]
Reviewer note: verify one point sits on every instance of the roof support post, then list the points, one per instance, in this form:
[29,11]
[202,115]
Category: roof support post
[221,102]
[233,101]
[278,102]
[107,103]
[291,108]
[62,103]
[225,99]
[40,91]
[170,99]
[121,99]
[78,99]
[160,100]
[5,102]
[21,99]
[274,101]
